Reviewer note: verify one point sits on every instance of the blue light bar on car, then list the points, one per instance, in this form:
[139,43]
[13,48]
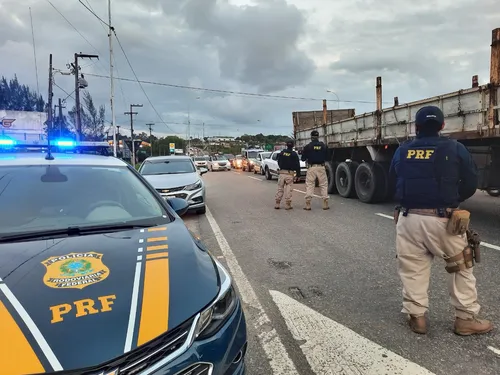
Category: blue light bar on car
[7,142]
[64,143]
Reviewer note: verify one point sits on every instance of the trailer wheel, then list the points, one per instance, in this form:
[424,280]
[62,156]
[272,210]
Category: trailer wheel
[388,190]
[370,183]
[494,192]
[344,179]
[331,167]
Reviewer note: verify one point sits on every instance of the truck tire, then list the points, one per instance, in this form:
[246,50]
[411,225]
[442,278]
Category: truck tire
[493,192]
[344,179]
[268,174]
[370,182]
[330,174]
[389,189]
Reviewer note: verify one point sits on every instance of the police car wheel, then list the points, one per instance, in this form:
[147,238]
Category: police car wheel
[344,179]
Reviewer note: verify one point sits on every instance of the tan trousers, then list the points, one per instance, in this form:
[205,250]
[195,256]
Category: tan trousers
[419,238]
[313,173]
[285,185]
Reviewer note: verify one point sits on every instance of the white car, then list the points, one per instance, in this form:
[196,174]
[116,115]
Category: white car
[218,163]
[271,167]
[176,176]
[201,161]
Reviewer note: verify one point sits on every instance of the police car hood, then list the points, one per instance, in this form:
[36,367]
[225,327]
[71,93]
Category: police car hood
[82,301]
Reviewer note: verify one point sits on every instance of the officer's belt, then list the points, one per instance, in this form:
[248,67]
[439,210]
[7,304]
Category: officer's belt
[317,165]
[286,172]
[445,212]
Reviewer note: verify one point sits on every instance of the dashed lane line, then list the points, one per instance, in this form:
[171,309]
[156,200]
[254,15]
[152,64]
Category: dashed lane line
[255,178]
[279,360]
[494,350]
[485,244]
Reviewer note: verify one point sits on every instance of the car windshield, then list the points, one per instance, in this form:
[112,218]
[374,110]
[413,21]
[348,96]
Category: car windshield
[252,154]
[266,155]
[220,158]
[45,198]
[229,156]
[201,158]
[170,166]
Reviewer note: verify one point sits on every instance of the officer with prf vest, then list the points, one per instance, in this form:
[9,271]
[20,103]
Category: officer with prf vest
[289,169]
[315,153]
[433,175]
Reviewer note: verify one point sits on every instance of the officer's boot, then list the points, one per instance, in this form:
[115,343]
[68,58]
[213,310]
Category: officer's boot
[288,205]
[277,205]
[308,205]
[418,324]
[325,204]
[472,326]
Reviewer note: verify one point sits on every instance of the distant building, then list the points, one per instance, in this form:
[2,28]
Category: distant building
[220,141]
[23,126]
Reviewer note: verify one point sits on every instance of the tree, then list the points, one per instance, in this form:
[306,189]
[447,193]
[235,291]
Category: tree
[91,118]
[17,97]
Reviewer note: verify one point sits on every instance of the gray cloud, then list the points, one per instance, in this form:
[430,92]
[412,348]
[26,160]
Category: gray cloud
[294,47]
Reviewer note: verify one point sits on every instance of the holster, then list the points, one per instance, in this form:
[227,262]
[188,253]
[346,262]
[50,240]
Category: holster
[470,255]
[458,224]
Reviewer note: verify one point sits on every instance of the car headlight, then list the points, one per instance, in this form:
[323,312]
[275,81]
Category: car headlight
[194,186]
[213,317]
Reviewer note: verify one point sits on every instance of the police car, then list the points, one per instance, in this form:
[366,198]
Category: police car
[100,276]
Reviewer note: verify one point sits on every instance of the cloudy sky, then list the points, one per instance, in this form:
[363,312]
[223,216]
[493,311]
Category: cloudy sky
[293,48]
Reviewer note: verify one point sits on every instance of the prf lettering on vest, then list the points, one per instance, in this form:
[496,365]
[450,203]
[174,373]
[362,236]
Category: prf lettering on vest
[286,154]
[317,148]
[83,307]
[419,154]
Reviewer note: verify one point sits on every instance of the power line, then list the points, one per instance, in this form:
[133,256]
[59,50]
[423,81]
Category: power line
[229,92]
[93,13]
[139,82]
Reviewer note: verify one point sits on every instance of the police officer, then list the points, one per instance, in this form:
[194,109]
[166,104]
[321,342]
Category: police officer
[315,153]
[433,175]
[289,165]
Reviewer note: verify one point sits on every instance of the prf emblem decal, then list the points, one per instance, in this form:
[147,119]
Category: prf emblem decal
[74,270]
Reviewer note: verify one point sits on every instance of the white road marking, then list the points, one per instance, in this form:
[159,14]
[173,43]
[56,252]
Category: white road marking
[304,192]
[255,178]
[384,215]
[279,360]
[237,172]
[133,308]
[494,350]
[485,244]
[44,346]
[331,348]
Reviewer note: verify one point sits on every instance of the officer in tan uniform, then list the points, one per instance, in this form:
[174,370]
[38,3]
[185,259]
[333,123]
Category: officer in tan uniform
[315,154]
[289,170]
[433,175]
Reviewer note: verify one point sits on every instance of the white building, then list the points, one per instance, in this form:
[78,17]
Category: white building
[22,126]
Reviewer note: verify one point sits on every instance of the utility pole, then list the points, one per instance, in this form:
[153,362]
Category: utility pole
[112,96]
[49,104]
[118,138]
[76,72]
[150,137]
[60,115]
[132,113]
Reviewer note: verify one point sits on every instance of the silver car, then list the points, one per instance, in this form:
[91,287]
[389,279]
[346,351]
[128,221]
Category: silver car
[176,176]
[218,163]
[201,161]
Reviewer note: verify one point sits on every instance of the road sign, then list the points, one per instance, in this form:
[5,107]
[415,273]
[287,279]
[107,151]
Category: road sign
[172,148]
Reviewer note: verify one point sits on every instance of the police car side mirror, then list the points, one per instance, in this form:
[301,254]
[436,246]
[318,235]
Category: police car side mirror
[179,205]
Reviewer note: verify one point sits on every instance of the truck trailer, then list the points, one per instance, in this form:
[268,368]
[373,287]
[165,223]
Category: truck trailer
[360,148]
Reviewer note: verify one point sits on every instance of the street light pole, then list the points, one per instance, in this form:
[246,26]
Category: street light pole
[338,100]
[132,113]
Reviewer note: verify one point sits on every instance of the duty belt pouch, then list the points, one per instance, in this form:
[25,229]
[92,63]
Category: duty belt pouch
[458,222]
[461,261]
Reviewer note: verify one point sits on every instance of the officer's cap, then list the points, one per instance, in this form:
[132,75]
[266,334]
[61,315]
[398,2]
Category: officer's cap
[314,133]
[429,115]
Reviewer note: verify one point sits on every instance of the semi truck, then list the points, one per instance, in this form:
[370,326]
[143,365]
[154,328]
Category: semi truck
[361,147]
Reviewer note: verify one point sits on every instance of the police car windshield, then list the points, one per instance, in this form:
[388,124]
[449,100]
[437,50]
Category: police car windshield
[170,166]
[46,198]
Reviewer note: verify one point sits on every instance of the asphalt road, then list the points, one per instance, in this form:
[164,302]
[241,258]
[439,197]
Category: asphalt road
[320,288]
